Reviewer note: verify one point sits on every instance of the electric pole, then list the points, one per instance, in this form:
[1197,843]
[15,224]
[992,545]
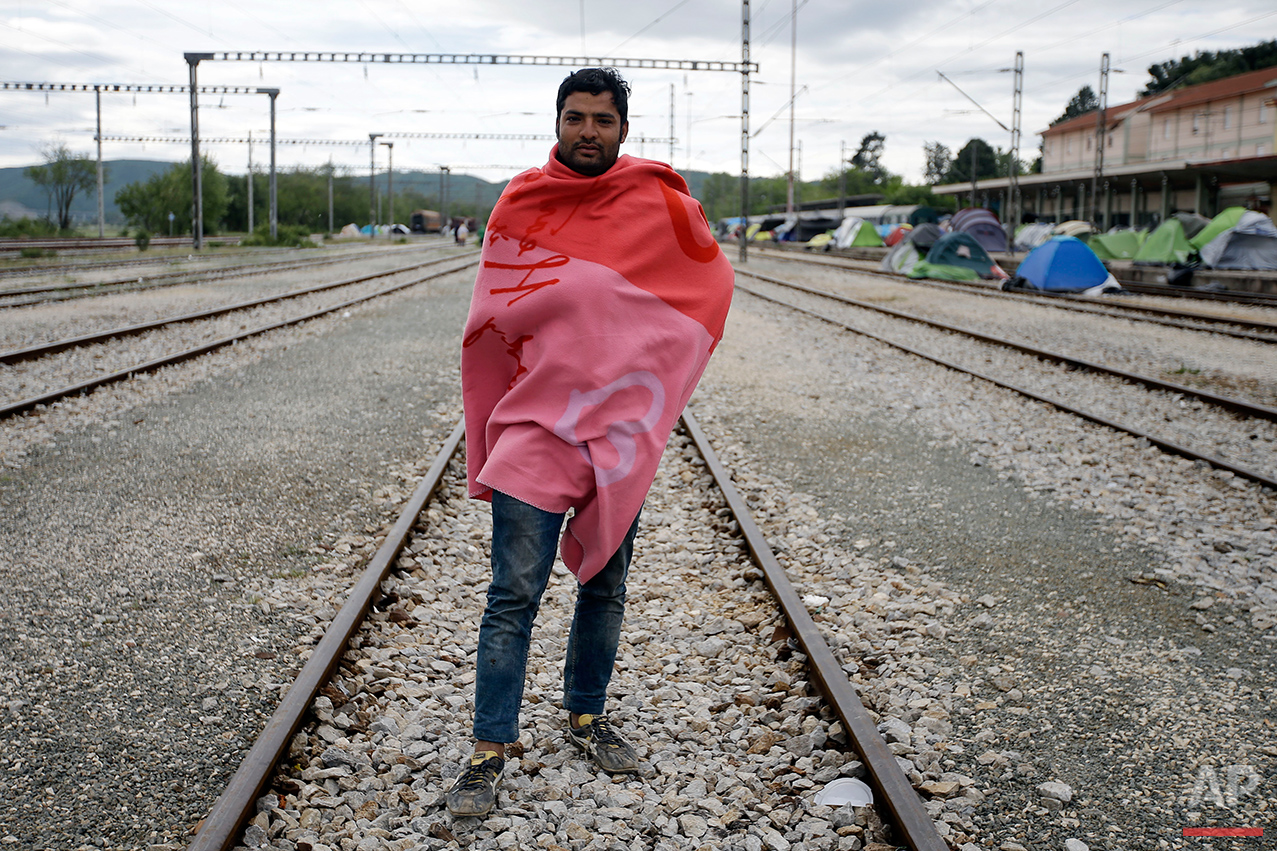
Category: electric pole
[744,131]
[372,183]
[1013,184]
[1098,177]
[793,73]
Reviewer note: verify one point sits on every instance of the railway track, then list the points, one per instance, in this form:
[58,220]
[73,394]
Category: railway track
[25,296]
[387,583]
[1238,456]
[10,246]
[101,376]
[1261,329]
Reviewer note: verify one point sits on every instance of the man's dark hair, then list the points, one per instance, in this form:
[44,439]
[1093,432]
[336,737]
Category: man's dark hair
[595,81]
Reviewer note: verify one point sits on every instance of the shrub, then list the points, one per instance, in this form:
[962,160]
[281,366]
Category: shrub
[286,236]
[143,239]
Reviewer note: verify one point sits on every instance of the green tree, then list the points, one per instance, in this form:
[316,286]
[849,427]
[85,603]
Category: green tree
[1207,66]
[986,163]
[62,177]
[938,158]
[868,157]
[147,205]
[1083,102]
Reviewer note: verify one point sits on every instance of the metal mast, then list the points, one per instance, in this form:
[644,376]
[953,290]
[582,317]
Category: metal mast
[793,74]
[250,181]
[1098,177]
[97,94]
[372,183]
[744,131]
[1013,186]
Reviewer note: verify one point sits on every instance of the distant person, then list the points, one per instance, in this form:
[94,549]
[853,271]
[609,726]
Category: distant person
[462,233]
[600,296]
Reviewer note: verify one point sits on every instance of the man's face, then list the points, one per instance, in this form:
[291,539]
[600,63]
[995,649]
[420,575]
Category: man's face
[590,132]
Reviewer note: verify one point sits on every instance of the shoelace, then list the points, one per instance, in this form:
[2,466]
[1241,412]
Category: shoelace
[478,776]
[601,733]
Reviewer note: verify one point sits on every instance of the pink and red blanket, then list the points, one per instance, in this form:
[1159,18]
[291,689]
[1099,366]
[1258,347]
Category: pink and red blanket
[596,307]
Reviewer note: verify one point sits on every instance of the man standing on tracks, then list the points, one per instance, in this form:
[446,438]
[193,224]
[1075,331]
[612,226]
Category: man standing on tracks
[600,296]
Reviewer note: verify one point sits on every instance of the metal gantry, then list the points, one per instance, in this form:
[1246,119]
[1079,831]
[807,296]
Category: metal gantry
[144,88]
[745,67]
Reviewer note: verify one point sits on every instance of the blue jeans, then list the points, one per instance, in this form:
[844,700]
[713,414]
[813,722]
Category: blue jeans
[524,541]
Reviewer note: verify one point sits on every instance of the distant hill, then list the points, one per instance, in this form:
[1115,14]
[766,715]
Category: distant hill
[16,191]
[15,187]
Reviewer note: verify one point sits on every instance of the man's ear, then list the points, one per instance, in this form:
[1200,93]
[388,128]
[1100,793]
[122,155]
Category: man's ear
[625,130]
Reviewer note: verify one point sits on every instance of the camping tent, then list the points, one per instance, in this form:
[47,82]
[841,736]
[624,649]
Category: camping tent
[1029,237]
[1249,244]
[1225,220]
[922,215]
[901,259]
[855,231]
[1064,264]
[957,257]
[1165,246]
[1192,223]
[896,235]
[910,250]
[981,224]
[351,229]
[1116,244]
[1074,227]
[924,236]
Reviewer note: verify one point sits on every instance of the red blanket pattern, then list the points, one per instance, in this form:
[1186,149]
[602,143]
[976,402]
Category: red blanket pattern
[597,305]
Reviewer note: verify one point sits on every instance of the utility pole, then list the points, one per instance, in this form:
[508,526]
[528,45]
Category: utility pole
[744,132]
[671,125]
[390,188]
[842,178]
[1098,177]
[250,181]
[1013,183]
[274,205]
[974,161]
[97,94]
[444,174]
[372,183]
[793,73]
[330,195]
[197,178]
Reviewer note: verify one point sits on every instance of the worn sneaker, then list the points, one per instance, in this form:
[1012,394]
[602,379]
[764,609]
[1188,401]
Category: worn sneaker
[604,745]
[474,792]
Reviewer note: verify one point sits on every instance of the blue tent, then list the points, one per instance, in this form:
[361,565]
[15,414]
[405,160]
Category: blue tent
[1063,264]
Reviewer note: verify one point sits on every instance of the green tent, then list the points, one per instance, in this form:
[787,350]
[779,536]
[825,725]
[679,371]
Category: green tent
[1218,225]
[1118,245]
[1166,245]
[943,272]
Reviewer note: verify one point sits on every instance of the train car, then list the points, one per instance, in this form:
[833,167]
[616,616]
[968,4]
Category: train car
[426,221]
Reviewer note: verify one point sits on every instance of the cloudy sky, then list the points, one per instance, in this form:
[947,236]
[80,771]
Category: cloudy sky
[860,67]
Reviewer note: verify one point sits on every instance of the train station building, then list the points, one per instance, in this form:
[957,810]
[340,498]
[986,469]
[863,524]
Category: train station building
[1200,148]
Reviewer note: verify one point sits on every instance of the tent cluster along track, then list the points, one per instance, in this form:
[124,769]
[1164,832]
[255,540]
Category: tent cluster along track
[1232,324]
